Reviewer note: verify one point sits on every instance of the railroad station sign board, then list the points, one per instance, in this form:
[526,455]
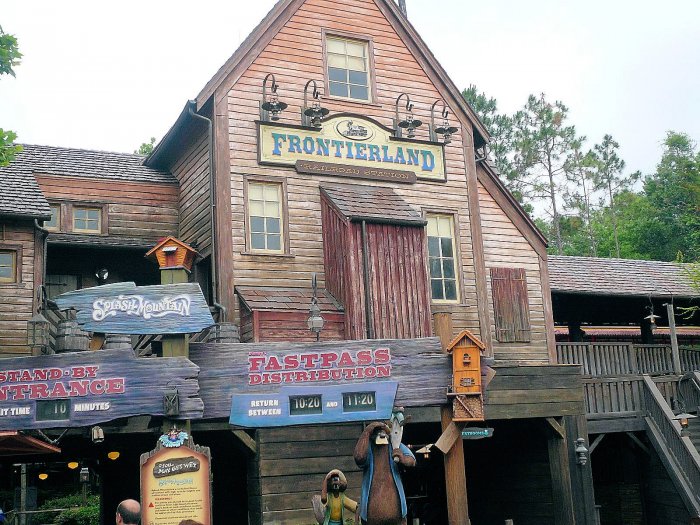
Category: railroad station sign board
[360,145]
[124,308]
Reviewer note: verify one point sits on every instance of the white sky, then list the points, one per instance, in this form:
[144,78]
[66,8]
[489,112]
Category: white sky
[108,76]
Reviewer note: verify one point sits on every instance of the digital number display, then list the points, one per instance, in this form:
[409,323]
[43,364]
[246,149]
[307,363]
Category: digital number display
[53,410]
[359,401]
[301,405]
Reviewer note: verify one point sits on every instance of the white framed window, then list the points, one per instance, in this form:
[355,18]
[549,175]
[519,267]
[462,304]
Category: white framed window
[348,68]
[265,217]
[87,219]
[8,266]
[54,224]
[442,258]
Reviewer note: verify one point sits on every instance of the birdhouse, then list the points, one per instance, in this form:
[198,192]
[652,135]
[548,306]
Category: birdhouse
[466,388]
[171,253]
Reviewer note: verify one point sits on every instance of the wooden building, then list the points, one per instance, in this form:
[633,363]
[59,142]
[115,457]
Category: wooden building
[407,228]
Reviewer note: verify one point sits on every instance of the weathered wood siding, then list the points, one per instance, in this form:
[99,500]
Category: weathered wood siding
[17,299]
[278,325]
[397,275]
[295,55]
[505,246]
[134,209]
[290,467]
[193,172]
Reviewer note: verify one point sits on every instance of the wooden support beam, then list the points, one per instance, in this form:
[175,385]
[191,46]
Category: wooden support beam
[595,443]
[581,475]
[638,442]
[557,427]
[455,472]
[248,441]
[562,497]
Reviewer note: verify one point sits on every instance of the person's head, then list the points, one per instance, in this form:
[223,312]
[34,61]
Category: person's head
[128,512]
[189,522]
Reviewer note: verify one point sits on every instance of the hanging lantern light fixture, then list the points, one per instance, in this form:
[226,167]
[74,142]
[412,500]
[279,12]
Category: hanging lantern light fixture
[38,333]
[315,321]
[410,123]
[271,106]
[313,116]
[445,129]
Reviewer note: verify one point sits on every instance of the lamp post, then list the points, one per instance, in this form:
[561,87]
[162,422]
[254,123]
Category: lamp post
[38,334]
[315,321]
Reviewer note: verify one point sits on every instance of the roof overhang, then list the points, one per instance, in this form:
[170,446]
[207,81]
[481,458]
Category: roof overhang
[14,443]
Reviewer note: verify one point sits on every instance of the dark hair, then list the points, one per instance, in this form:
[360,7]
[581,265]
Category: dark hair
[130,516]
[189,522]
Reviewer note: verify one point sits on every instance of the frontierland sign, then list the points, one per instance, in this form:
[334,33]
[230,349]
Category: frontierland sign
[353,142]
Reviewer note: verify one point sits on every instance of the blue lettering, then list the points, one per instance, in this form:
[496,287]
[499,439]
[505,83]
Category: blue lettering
[374,153]
[294,144]
[337,144]
[399,156]
[309,145]
[428,160]
[360,151]
[349,150]
[412,157]
[278,139]
[387,157]
[323,145]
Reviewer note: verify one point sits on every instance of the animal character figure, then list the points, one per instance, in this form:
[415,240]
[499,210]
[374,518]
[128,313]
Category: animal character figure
[330,506]
[383,501]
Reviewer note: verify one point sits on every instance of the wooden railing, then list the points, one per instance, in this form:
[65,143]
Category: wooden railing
[684,458]
[618,359]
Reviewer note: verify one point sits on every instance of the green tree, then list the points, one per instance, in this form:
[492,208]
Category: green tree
[9,59]
[674,195]
[608,177]
[579,195]
[543,143]
[146,147]
[500,127]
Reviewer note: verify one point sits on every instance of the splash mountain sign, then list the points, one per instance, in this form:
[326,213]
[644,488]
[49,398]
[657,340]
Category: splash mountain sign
[350,146]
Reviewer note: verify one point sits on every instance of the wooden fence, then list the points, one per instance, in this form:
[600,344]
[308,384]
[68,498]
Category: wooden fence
[618,359]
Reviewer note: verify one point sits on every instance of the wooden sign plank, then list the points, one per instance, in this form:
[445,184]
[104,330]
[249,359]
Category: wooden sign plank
[124,308]
[85,388]
[420,368]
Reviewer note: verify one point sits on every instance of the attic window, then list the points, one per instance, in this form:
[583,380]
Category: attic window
[348,68]
[87,220]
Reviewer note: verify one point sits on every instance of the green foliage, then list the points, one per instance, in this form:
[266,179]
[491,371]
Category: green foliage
[9,59]
[146,147]
[9,53]
[76,512]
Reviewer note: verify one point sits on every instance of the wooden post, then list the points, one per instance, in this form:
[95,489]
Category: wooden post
[175,345]
[675,353]
[562,498]
[581,475]
[455,472]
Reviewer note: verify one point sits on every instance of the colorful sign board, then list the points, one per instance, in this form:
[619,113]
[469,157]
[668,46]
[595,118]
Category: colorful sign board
[314,404]
[476,433]
[85,388]
[176,485]
[227,370]
[124,308]
[352,141]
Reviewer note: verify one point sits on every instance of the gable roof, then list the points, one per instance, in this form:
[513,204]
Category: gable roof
[619,277]
[371,204]
[280,14]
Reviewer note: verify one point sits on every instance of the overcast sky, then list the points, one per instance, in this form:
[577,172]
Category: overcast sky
[108,76]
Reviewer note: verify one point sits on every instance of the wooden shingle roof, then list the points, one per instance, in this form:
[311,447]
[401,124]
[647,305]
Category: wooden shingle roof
[371,204]
[597,276]
[258,298]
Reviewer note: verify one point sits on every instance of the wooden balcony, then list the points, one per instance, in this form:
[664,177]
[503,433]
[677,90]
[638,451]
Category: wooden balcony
[613,379]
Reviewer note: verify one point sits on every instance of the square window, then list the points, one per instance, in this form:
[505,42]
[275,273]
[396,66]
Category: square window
[87,220]
[8,266]
[348,70]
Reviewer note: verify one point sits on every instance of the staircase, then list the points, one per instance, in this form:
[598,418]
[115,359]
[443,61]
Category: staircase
[677,448]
